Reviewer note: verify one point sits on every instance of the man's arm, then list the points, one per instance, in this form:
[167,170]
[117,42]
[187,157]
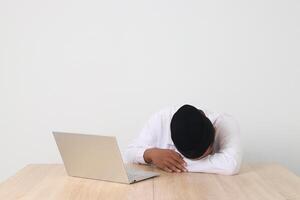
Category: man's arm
[146,140]
[143,150]
[227,160]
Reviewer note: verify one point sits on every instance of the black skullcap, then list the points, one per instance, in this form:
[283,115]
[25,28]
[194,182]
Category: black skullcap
[191,131]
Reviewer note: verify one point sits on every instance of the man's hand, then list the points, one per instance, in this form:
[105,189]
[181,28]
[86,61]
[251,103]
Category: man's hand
[165,159]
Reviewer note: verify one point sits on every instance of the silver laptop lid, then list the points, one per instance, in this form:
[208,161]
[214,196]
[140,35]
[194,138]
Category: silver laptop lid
[91,156]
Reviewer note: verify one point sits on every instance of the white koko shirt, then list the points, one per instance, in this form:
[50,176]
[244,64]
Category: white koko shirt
[225,159]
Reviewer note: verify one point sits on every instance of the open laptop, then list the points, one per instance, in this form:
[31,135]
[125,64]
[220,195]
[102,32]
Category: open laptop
[96,157]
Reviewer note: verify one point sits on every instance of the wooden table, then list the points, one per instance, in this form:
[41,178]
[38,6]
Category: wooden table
[49,181]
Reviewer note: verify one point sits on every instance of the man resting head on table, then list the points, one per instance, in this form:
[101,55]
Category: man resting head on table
[187,139]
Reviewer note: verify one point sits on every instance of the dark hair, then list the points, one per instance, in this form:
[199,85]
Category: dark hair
[191,131]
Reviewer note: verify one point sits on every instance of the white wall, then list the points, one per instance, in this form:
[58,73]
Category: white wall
[105,66]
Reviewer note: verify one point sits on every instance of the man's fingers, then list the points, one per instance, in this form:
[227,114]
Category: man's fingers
[175,166]
[167,169]
[166,166]
[172,166]
[179,160]
[180,165]
[177,155]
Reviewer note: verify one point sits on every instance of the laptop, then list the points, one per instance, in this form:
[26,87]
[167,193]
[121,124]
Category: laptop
[96,157]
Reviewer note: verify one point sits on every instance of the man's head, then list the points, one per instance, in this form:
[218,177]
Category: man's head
[192,132]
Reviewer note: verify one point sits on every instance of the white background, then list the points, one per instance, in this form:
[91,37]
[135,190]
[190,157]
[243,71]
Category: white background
[104,66]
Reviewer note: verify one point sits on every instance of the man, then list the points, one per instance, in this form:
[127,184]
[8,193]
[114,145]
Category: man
[181,139]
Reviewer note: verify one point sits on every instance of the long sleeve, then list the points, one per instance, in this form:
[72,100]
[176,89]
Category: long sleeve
[146,139]
[227,159]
